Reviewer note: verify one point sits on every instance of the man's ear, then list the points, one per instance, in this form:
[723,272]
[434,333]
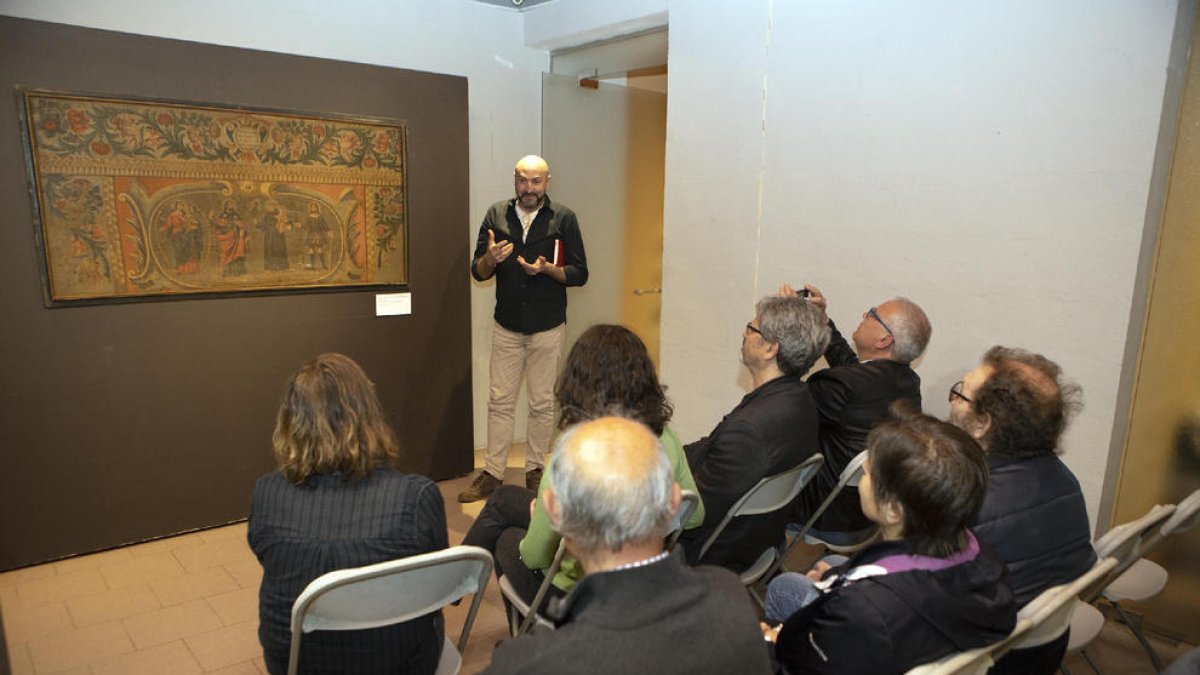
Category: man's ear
[676,497]
[553,508]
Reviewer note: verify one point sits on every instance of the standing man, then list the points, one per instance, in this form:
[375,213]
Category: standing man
[535,251]
[853,395]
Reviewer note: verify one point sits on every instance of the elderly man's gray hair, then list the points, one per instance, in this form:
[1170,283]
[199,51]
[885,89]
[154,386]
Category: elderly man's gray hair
[613,483]
[910,331]
[799,327]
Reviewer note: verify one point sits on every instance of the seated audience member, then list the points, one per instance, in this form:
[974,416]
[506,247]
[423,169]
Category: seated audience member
[927,589]
[608,369]
[337,502]
[638,609]
[853,395]
[772,429]
[1017,404]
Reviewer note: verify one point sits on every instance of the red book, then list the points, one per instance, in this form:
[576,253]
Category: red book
[558,253]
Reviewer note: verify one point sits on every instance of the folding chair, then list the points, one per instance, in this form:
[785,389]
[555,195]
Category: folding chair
[850,476]
[522,616]
[392,592]
[1124,543]
[1144,578]
[769,495]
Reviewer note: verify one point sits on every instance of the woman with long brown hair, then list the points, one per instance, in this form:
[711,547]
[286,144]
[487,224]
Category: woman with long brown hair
[336,502]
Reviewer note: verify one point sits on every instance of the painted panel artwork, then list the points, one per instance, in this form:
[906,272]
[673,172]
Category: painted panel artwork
[145,199]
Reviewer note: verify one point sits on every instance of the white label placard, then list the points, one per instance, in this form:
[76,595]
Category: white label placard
[393,304]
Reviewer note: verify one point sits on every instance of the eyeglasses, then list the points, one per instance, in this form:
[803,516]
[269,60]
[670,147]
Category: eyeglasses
[754,329]
[875,315]
[956,391]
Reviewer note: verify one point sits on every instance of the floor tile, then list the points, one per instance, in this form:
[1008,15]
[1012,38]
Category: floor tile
[227,646]
[141,569]
[111,605]
[173,658]
[211,554]
[248,574]
[237,606]
[60,587]
[22,624]
[243,668]
[78,648]
[177,590]
[171,623]
[26,574]
[18,659]
[261,665]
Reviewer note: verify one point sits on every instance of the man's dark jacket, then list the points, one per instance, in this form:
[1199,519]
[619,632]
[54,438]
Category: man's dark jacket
[664,618]
[851,397]
[532,304]
[773,429]
[1035,521]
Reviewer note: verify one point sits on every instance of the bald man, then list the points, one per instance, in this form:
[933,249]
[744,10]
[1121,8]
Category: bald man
[853,395]
[534,249]
[638,609]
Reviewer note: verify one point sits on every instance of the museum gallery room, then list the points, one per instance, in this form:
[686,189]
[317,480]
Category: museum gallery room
[201,198]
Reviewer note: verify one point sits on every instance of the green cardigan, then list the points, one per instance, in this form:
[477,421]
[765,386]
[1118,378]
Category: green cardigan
[541,542]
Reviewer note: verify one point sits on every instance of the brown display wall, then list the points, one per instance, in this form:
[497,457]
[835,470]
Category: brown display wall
[124,422]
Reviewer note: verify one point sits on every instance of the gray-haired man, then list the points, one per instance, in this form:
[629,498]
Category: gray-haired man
[639,609]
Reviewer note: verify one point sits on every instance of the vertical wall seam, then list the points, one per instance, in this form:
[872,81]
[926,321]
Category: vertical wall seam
[762,154]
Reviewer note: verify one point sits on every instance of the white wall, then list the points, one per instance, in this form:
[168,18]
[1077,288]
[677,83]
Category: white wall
[457,37]
[989,160]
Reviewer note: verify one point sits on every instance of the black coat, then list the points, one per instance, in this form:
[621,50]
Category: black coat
[300,532]
[1035,521]
[532,304]
[892,622]
[851,399]
[663,618]
[773,429]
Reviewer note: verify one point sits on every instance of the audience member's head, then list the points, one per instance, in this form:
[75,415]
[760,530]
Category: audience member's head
[330,421]
[611,487]
[924,481]
[610,370]
[797,329]
[1016,403]
[897,330]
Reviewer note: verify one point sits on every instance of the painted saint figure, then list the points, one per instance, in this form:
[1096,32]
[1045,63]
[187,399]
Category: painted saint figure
[273,224]
[232,239]
[182,228]
[317,239]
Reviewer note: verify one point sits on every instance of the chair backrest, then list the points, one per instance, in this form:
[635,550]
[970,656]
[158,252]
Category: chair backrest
[1187,513]
[973,661]
[391,592]
[1051,611]
[688,502]
[1126,542]
[850,476]
[768,495]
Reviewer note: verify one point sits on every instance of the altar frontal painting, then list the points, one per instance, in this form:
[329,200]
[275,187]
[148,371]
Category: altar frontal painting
[147,199]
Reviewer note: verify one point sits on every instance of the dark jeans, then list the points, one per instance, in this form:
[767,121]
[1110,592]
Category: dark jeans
[500,527]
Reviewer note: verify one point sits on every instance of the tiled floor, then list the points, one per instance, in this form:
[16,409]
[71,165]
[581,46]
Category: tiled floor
[189,604]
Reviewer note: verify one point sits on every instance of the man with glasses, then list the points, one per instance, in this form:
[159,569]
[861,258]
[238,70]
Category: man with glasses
[1017,404]
[852,395]
[534,249]
[772,429]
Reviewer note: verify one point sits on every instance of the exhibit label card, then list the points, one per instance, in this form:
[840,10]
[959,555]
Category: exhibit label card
[393,304]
